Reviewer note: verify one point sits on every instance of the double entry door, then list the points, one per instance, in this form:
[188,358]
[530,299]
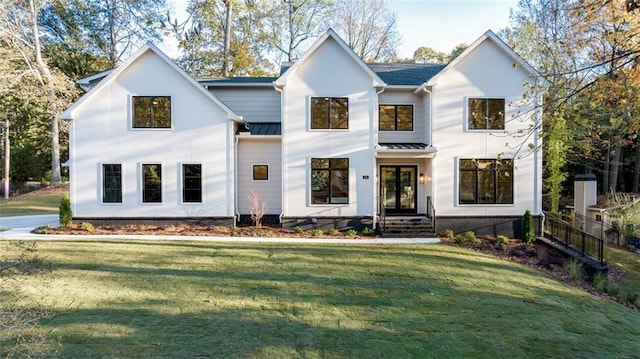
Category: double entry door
[398,187]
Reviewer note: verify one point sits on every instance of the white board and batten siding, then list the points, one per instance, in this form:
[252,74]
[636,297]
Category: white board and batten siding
[485,73]
[263,151]
[102,134]
[419,134]
[329,72]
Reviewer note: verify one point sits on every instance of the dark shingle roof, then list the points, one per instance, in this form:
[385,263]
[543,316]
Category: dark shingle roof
[404,146]
[265,128]
[406,74]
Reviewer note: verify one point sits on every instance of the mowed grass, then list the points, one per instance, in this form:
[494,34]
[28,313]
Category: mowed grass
[628,262]
[38,202]
[212,300]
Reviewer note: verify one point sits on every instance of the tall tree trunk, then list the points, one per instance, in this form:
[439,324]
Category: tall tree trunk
[605,172]
[227,39]
[614,167]
[46,80]
[113,56]
[636,171]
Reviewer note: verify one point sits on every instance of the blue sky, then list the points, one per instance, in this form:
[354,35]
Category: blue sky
[439,24]
[443,24]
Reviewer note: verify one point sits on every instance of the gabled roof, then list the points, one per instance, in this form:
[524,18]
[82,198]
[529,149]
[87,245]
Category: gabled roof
[406,74]
[115,73]
[487,36]
[377,81]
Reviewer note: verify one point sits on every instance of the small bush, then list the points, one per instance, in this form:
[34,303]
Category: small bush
[600,281]
[503,239]
[460,239]
[316,232]
[298,229]
[368,231]
[65,211]
[352,233]
[631,298]
[448,233]
[332,232]
[470,236]
[86,226]
[41,230]
[528,233]
[575,269]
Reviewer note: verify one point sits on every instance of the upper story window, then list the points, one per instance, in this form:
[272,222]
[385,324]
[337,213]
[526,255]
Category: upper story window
[486,181]
[395,117]
[151,112]
[329,113]
[486,114]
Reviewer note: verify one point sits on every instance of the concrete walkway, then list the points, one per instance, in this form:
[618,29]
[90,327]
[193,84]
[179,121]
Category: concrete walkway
[20,229]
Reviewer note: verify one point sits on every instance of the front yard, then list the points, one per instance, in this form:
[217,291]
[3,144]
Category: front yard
[211,300]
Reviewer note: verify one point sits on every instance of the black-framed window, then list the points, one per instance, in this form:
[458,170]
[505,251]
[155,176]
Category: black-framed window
[151,111]
[329,180]
[486,113]
[329,113]
[485,181]
[112,183]
[152,183]
[395,117]
[260,172]
[191,183]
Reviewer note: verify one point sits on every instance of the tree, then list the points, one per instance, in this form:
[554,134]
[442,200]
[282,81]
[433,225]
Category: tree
[427,55]
[368,27]
[456,51]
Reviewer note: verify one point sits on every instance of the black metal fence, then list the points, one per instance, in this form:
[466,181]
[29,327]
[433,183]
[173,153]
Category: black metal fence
[574,239]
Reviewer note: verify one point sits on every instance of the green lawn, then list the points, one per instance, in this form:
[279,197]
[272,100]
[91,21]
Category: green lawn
[629,263]
[217,300]
[40,203]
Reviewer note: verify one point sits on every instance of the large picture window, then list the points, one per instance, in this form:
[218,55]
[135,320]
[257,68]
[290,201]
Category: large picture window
[329,113]
[151,183]
[486,114]
[191,183]
[486,181]
[329,180]
[111,183]
[151,112]
[395,117]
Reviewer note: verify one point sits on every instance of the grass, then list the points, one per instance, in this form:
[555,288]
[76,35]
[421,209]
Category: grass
[40,202]
[211,300]
[628,262]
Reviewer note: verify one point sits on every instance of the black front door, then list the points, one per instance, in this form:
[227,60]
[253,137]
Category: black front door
[398,189]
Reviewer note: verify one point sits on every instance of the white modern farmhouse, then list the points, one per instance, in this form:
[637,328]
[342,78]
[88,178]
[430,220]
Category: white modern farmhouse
[333,142]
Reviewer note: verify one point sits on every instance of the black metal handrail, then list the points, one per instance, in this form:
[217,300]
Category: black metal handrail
[383,214]
[565,234]
[431,213]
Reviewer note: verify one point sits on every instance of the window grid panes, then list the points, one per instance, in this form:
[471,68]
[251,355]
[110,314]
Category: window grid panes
[151,112]
[151,183]
[486,181]
[486,114]
[260,172]
[329,180]
[111,183]
[329,113]
[395,117]
[191,183]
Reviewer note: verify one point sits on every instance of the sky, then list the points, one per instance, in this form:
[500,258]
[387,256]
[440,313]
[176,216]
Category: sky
[439,24]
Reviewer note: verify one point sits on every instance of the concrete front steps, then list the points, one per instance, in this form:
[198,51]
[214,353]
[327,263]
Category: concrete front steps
[416,226]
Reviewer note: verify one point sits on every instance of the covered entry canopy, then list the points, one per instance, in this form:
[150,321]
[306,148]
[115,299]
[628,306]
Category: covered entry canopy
[405,150]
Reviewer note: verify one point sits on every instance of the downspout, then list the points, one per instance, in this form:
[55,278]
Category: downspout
[283,202]
[433,167]
[235,180]
[374,145]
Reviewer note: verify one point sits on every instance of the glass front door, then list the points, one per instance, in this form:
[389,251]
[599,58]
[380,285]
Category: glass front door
[398,189]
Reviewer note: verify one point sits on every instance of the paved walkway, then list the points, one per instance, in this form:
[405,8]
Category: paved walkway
[21,227]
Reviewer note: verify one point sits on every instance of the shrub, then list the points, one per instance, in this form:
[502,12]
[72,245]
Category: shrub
[368,231]
[86,226]
[448,233]
[65,211]
[575,269]
[298,229]
[600,281]
[503,239]
[352,233]
[528,233]
[332,232]
[467,236]
[316,232]
[460,239]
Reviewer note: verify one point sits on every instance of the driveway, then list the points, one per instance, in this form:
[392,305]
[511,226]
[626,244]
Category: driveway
[25,224]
